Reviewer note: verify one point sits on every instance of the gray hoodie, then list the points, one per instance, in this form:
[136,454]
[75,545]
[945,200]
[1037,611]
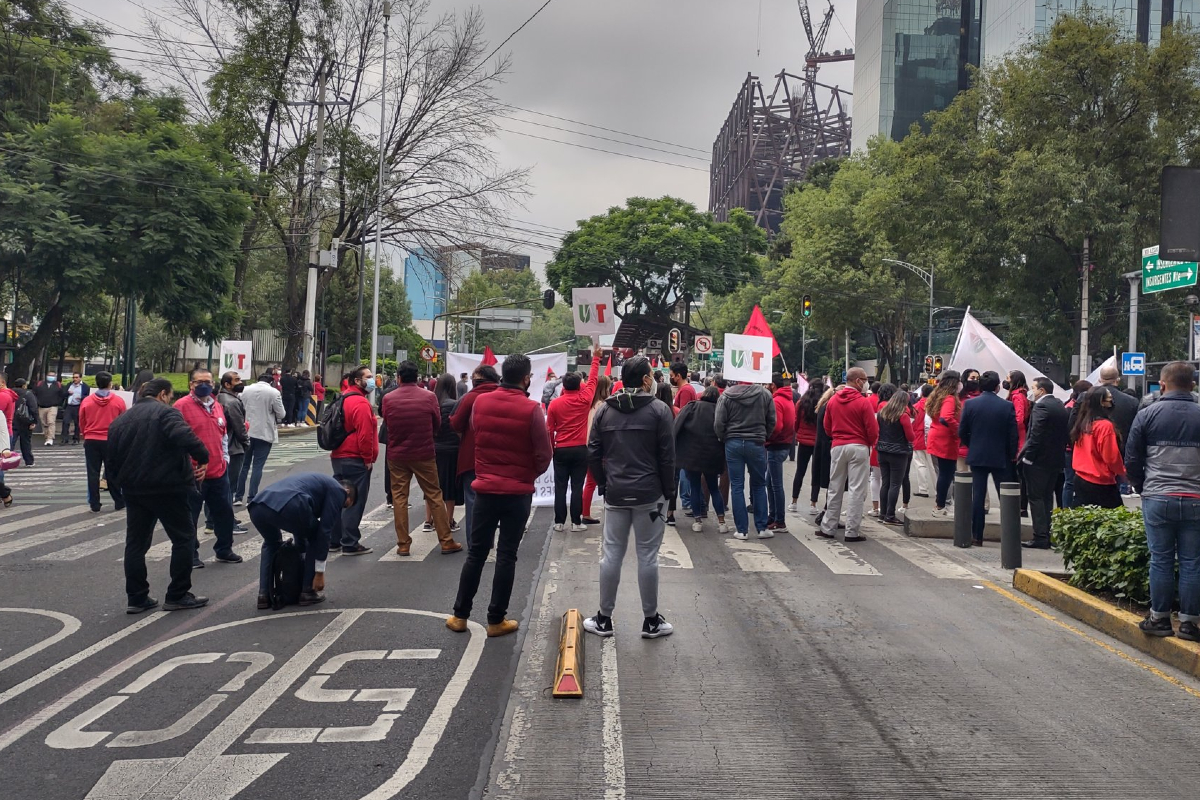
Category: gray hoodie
[745,411]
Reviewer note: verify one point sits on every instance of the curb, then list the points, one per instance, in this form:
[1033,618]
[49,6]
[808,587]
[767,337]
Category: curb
[285,432]
[1119,624]
[925,528]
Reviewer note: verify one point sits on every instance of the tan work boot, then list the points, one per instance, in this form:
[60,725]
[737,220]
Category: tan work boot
[456,624]
[402,549]
[502,628]
[451,547]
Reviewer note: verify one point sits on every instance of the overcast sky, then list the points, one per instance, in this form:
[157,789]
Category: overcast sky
[665,69]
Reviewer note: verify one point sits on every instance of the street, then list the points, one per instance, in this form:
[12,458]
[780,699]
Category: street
[799,667]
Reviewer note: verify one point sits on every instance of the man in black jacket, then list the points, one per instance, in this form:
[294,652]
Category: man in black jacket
[288,384]
[631,454]
[25,432]
[1042,458]
[50,395]
[149,448]
[988,429]
[1124,409]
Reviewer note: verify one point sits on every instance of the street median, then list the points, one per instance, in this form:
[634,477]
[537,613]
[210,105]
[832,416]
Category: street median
[1105,617]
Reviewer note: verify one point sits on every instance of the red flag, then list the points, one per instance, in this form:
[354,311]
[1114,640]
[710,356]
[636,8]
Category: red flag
[757,326]
[608,368]
[489,358]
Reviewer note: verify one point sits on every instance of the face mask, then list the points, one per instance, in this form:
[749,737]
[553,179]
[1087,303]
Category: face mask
[971,386]
[1005,385]
[239,388]
[203,390]
[51,378]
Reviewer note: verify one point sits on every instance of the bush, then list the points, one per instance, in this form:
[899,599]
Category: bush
[1106,548]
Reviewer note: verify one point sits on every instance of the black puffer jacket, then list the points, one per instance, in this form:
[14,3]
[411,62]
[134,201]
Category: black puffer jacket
[631,449]
[697,447]
[148,451]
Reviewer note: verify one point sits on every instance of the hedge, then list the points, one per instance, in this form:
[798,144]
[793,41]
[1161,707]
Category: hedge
[1106,549]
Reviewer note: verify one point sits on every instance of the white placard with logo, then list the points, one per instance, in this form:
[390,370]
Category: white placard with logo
[592,310]
[235,356]
[748,358]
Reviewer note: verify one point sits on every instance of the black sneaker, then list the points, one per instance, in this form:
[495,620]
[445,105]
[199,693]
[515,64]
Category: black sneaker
[599,625]
[264,602]
[185,603]
[1157,627]
[145,605]
[356,550]
[590,521]
[229,558]
[656,626]
[1189,632]
[197,563]
[671,521]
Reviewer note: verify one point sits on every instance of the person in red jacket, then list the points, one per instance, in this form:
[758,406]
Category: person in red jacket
[944,410]
[512,448]
[853,430]
[926,473]
[412,416]
[484,380]
[779,443]
[566,421]
[354,458]
[96,412]
[206,418]
[806,440]
[1096,453]
[1018,395]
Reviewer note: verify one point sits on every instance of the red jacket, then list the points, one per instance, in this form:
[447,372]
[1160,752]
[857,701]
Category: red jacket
[1020,401]
[460,420]
[918,425]
[8,405]
[209,425]
[96,413]
[806,432]
[512,445]
[363,441]
[850,419]
[413,417]
[943,432]
[1097,455]
[784,435]
[567,414]
[685,395]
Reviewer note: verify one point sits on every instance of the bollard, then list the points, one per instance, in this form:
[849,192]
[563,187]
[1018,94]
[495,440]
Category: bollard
[962,509]
[1010,525]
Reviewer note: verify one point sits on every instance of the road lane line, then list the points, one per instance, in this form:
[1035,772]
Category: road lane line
[673,550]
[921,556]
[26,522]
[1153,670]
[614,744]
[835,555]
[84,549]
[755,556]
[46,537]
[69,625]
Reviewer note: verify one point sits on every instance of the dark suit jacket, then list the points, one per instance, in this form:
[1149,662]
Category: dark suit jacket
[1049,433]
[988,429]
[1125,408]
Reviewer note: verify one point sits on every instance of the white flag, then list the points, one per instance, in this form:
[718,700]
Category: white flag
[978,348]
[1111,361]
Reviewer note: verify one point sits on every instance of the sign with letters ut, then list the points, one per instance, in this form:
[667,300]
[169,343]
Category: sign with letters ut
[235,356]
[1133,363]
[593,312]
[748,358]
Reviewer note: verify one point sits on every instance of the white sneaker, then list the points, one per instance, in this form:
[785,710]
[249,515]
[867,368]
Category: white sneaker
[941,512]
[239,502]
[813,511]
[49,443]
[697,526]
[874,512]
[766,534]
[792,507]
[722,527]
[740,535]
[656,627]
[558,526]
[578,528]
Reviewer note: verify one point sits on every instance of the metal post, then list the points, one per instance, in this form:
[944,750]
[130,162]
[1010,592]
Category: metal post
[962,509]
[1010,526]
[930,351]
[362,276]
[1084,362]
[387,16]
[847,350]
[803,345]
[1134,290]
[314,244]
[210,357]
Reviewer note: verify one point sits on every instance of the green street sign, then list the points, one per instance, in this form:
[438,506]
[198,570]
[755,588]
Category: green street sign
[1161,276]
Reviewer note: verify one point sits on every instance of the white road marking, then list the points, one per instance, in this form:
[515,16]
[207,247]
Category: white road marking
[178,728]
[673,552]
[15,545]
[614,744]
[835,555]
[85,549]
[150,676]
[284,736]
[755,556]
[25,521]
[69,625]
[923,557]
[424,543]
[71,736]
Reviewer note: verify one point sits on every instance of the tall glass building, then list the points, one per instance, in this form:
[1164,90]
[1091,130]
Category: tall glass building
[1010,23]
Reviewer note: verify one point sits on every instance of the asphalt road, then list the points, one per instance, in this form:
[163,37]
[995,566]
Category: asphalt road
[365,695]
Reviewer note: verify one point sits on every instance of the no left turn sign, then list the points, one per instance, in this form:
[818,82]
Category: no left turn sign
[704,345]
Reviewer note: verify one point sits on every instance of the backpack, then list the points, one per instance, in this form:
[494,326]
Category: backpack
[21,418]
[331,429]
[287,575]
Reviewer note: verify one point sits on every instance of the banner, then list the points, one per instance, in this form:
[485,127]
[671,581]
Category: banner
[748,358]
[592,310]
[1111,361]
[980,349]
[235,356]
[757,326]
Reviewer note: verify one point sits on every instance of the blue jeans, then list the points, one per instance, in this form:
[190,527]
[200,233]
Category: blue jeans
[214,492]
[699,504]
[468,504]
[685,490]
[1068,498]
[741,456]
[1173,529]
[255,460]
[776,499]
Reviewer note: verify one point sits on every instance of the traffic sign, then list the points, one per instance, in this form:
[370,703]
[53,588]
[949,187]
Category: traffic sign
[704,345]
[654,346]
[1133,364]
[1161,276]
[428,353]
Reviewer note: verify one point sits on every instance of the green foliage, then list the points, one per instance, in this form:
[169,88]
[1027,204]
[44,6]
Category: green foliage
[503,286]
[1106,549]
[653,252]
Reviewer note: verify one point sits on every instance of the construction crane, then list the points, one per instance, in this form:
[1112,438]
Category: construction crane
[816,55]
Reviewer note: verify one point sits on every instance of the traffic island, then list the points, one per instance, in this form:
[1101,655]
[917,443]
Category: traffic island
[923,524]
[1107,618]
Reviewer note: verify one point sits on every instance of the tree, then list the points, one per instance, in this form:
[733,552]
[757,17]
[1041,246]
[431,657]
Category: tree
[655,252]
[500,286]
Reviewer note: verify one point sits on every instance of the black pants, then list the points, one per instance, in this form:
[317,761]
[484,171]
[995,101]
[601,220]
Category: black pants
[215,493]
[803,456]
[1095,494]
[26,437]
[945,478]
[289,409]
[1041,482]
[94,451]
[357,472]
[508,512]
[569,463]
[70,417]
[979,481]
[892,469]
[144,511]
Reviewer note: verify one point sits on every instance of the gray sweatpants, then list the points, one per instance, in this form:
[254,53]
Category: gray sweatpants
[647,522]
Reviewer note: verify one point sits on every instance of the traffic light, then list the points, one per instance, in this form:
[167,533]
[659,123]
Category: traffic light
[548,299]
[937,365]
[673,340]
[806,306]
[928,365]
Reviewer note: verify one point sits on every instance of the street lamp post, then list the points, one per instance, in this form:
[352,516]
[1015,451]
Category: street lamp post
[387,16]
[927,276]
